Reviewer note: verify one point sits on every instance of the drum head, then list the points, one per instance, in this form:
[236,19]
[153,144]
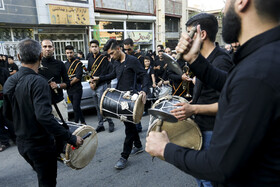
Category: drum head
[138,109]
[183,133]
[79,158]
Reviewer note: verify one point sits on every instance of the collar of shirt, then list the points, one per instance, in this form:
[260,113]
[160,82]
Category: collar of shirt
[48,60]
[255,43]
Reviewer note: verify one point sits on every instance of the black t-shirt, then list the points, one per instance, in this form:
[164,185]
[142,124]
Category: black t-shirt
[12,67]
[74,67]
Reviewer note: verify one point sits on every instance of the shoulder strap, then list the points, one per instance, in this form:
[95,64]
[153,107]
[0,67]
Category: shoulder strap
[98,65]
[68,72]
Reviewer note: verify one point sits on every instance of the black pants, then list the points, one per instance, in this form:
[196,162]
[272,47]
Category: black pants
[75,99]
[131,136]
[43,161]
[6,134]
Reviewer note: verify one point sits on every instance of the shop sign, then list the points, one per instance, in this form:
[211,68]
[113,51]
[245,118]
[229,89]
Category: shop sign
[67,15]
[141,37]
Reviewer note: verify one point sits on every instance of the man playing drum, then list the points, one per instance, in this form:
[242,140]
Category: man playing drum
[127,69]
[27,102]
[244,149]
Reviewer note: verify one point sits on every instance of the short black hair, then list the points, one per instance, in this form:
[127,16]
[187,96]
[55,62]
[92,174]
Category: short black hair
[161,46]
[268,9]
[147,58]
[111,44]
[47,40]
[11,57]
[207,22]
[69,47]
[94,42]
[128,41]
[29,51]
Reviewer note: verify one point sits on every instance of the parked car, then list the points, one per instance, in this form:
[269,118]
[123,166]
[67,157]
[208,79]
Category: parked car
[87,101]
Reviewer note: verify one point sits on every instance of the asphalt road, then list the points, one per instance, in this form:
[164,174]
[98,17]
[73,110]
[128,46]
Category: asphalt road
[140,171]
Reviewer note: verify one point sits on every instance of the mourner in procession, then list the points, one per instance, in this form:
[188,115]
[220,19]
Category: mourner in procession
[127,69]
[27,102]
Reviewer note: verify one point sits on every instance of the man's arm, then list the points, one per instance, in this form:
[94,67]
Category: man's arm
[237,135]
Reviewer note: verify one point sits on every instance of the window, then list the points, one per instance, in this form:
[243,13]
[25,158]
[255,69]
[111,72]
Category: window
[138,26]
[172,24]
[109,25]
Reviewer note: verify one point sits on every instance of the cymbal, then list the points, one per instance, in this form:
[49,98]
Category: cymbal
[162,115]
[172,64]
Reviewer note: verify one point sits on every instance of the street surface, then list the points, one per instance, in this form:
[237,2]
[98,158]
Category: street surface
[140,171]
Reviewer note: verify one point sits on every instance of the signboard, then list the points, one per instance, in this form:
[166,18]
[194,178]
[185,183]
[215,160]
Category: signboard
[2,5]
[141,37]
[67,15]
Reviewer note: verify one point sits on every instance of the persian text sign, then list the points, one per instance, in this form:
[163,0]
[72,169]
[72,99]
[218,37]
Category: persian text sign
[69,15]
[140,37]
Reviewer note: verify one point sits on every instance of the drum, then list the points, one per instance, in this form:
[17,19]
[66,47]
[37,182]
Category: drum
[162,91]
[122,105]
[80,158]
[184,133]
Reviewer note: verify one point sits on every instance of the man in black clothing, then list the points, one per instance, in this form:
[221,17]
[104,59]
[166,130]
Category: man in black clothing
[98,65]
[127,69]
[55,70]
[160,67]
[75,91]
[27,102]
[244,150]
[128,49]
[5,134]
[13,68]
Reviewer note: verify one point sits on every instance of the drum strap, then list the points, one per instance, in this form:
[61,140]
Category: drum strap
[60,116]
[98,64]
[74,68]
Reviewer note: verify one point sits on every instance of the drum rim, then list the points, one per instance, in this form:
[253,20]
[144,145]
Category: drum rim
[139,99]
[68,146]
[102,99]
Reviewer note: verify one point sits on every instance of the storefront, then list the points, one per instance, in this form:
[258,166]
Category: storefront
[139,28]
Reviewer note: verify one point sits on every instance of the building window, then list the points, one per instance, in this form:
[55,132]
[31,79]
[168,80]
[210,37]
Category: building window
[138,26]
[105,25]
[172,24]
[5,34]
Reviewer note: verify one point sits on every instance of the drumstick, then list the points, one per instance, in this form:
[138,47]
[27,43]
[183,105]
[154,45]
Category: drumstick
[84,137]
[191,34]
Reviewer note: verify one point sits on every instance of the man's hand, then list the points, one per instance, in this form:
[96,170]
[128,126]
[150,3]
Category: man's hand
[156,142]
[183,111]
[95,78]
[154,85]
[79,141]
[53,85]
[92,85]
[190,48]
[159,83]
[186,78]
[144,97]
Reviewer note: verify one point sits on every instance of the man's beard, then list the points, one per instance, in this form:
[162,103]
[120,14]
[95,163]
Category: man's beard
[231,25]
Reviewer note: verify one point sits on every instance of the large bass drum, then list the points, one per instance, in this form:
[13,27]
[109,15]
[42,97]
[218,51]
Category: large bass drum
[81,157]
[122,105]
[184,133]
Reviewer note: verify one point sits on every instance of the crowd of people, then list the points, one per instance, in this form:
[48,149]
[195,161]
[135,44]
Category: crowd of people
[233,97]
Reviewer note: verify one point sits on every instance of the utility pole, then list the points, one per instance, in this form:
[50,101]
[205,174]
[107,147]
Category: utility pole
[160,22]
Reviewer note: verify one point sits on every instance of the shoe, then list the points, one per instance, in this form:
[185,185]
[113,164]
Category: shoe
[111,127]
[100,129]
[121,163]
[136,150]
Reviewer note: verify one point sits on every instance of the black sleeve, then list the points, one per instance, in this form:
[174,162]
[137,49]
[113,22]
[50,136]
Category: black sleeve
[237,135]
[174,76]
[43,112]
[65,78]
[14,67]
[109,76]
[208,74]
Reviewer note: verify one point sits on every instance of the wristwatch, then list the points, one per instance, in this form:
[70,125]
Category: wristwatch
[58,86]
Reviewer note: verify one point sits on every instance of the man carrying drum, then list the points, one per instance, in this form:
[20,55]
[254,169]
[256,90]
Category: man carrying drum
[27,102]
[127,69]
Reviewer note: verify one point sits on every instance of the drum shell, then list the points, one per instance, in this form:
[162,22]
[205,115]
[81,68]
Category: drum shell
[111,106]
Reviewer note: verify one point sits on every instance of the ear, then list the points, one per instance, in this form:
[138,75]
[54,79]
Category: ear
[242,5]
[203,35]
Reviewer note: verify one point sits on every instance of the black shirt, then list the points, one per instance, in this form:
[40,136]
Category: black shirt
[99,65]
[74,67]
[56,69]
[204,94]
[245,146]
[127,72]
[27,102]
[12,67]
[4,74]
[159,72]
[150,71]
